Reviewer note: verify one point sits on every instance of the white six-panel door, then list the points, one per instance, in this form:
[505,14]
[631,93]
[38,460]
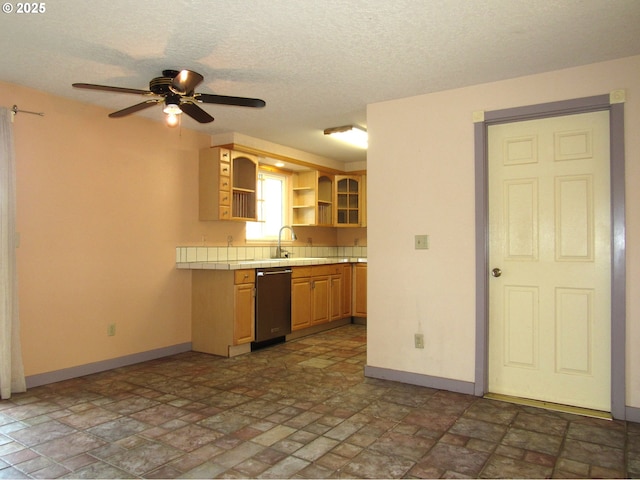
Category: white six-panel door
[549,259]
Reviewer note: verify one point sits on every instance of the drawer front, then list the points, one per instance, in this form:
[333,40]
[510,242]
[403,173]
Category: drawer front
[224,197]
[245,276]
[225,183]
[333,269]
[300,272]
[225,155]
[225,169]
[225,213]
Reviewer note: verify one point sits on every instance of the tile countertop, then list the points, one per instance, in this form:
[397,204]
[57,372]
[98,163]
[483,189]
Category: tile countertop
[266,263]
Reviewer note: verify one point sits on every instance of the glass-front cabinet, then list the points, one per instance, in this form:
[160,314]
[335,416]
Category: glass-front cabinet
[349,200]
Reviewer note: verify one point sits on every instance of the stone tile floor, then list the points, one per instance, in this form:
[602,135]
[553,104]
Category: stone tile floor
[297,410]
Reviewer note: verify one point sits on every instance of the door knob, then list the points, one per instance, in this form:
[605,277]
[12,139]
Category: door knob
[496,272]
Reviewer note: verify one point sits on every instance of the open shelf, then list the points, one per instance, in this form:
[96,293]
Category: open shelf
[312,198]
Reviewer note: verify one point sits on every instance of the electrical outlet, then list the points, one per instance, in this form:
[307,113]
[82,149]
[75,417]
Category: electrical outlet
[422,242]
[111,329]
[418,339]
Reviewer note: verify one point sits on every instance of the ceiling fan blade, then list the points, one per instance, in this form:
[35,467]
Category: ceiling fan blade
[134,108]
[185,82]
[108,88]
[225,100]
[195,112]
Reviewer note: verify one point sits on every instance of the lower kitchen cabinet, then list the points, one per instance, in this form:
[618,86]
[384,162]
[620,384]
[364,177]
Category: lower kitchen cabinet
[300,298]
[347,285]
[316,295]
[360,290]
[244,307]
[320,299]
[223,311]
[335,295]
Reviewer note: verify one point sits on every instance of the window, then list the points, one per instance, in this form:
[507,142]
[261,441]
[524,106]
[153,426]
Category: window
[272,206]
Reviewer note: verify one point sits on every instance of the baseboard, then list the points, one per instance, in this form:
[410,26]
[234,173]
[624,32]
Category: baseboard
[96,367]
[632,414]
[235,350]
[419,379]
[318,328]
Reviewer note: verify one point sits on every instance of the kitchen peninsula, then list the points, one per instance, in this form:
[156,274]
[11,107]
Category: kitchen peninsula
[326,292]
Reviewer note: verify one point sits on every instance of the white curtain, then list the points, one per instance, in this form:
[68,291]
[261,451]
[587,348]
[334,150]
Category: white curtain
[11,368]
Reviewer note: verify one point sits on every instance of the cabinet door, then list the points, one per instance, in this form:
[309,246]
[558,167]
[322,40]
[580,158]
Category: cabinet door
[347,201]
[320,295]
[360,280]
[336,297]
[347,285]
[244,324]
[300,303]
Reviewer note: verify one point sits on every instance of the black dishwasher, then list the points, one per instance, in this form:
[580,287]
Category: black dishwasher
[273,306]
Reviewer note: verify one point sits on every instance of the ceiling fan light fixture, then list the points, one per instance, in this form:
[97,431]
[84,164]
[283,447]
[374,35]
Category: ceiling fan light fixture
[351,134]
[172,107]
[173,120]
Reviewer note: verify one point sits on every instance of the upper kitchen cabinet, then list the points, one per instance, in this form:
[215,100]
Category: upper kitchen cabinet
[312,198]
[350,202]
[244,174]
[228,183]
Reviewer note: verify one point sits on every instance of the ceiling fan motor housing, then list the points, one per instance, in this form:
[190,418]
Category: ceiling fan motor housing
[161,85]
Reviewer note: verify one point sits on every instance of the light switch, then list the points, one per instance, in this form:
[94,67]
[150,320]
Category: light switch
[422,242]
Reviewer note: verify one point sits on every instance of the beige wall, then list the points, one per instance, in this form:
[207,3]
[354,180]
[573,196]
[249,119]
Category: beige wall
[421,155]
[102,204]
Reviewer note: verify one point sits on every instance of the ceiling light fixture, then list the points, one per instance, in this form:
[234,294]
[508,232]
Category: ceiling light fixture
[173,120]
[172,109]
[351,134]
[172,105]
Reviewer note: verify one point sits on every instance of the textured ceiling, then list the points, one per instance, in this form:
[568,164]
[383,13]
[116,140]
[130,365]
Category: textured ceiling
[317,64]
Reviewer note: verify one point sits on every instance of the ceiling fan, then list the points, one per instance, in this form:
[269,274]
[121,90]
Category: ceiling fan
[176,89]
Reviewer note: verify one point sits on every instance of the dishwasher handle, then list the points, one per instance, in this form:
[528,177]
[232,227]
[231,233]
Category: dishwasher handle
[275,272]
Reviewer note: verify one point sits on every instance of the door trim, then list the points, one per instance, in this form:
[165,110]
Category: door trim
[618,247]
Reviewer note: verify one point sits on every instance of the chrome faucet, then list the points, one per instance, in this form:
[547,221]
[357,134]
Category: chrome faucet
[279,250]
